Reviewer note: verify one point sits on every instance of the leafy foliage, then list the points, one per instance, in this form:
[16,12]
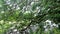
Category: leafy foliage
[24,14]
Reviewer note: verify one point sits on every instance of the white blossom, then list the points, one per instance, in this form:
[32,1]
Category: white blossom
[54,24]
[48,21]
[2,21]
[45,26]
[35,15]
[10,5]
[37,7]
[32,3]
[14,21]
[24,26]
[51,26]
[15,30]
[7,2]
[2,11]
[10,22]
[27,12]
[17,8]
[46,29]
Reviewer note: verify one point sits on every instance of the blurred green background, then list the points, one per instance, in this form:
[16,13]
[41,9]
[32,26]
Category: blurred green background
[29,16]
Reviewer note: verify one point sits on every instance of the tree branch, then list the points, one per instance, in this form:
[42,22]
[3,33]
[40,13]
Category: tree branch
[33,21]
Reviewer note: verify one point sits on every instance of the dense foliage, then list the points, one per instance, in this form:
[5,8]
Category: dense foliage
[30,16]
